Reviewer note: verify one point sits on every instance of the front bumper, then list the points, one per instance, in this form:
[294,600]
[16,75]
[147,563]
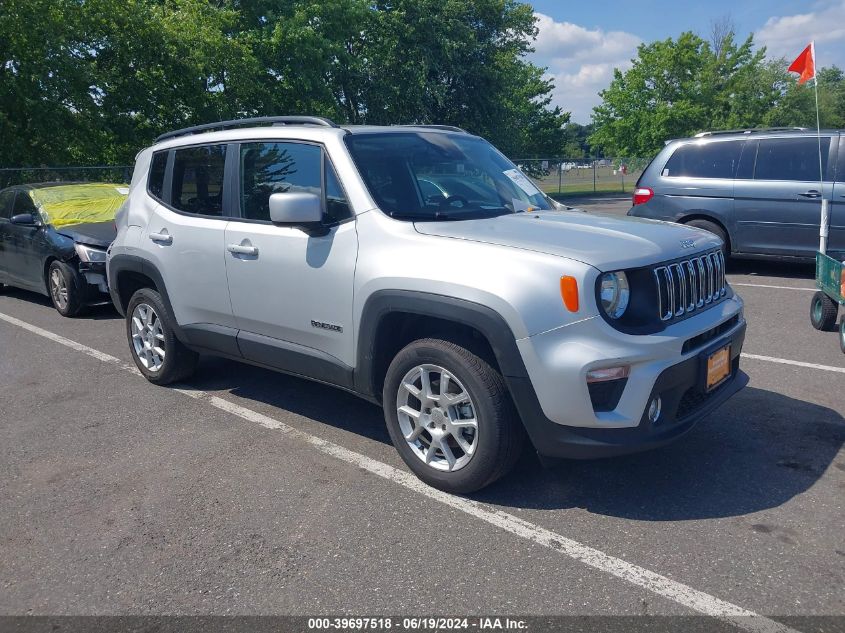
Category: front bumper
[96,287]
[684,402]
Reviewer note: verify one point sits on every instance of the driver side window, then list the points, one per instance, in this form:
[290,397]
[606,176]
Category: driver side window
[23,204]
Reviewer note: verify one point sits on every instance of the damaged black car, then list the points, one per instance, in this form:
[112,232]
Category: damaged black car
[53,240]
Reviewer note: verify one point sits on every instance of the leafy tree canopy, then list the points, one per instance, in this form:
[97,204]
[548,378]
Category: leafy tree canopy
[93,81]
[677,87]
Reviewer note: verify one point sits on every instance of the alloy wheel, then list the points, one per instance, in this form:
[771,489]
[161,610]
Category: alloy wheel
[437,417]
[148,337]
[58,289]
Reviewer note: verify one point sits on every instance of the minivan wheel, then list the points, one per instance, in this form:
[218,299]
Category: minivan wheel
[65,289]
[716,229]
[450,416]
[823,311]
[157,353]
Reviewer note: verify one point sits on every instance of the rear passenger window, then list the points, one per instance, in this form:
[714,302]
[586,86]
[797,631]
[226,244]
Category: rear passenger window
[23,204]
[790,159]
[157,167]
[714,159]
[268,168]
[198,180]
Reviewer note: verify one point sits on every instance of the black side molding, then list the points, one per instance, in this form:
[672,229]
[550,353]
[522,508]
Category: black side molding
[294,359]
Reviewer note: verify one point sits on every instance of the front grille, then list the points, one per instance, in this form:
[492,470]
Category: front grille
[689,285]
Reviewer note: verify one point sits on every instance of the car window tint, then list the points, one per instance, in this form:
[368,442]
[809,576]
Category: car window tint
[714,159]
[6,200]
[268,168]
[790,158]
[198,180]
[337,206]
[157,167]
[23,204]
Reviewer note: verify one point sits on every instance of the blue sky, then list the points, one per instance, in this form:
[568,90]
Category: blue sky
[582,42]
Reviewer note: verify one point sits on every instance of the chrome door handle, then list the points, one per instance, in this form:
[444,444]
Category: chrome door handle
[812,193]
[163,238]
[238,249]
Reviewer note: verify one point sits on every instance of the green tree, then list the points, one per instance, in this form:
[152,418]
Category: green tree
[93,81]
[679,87]
[796,105]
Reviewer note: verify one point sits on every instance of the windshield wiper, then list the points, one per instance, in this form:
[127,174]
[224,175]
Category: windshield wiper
[455,215]
[421,217]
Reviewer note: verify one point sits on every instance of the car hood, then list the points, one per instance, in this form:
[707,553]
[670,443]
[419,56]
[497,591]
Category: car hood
[99,234]
[607,242]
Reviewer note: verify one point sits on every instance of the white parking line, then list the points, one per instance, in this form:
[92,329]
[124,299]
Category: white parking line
[736,283]
[796,363]
[661,585]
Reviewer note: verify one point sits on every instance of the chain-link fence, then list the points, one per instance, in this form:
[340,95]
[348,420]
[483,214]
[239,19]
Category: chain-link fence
[583,175]
[563,176]
[27,175]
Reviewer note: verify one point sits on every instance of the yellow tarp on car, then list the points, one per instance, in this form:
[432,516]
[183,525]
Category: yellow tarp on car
[64,205]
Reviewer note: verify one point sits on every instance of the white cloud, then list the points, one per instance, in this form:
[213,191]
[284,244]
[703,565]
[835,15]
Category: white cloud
[580,61]
[786,36]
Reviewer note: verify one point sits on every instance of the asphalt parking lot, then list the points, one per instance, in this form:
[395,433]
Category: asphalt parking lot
[250,492]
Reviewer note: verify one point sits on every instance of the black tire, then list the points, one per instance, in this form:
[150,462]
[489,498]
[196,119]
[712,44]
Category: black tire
[500,435]
[69,296]
[823,311]
[179,362]
[714,228]
[842,335]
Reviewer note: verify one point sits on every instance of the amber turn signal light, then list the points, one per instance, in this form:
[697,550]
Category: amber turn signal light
[569,292]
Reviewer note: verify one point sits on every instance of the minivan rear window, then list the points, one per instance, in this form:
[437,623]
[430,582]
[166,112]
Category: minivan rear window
[704,160]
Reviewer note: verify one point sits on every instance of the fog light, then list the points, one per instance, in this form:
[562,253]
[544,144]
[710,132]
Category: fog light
[654,409]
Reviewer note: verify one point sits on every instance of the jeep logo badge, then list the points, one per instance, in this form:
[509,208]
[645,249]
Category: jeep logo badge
[687,243]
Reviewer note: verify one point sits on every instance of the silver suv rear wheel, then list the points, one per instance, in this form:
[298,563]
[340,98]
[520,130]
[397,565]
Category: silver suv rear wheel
[151,330]
[148,337]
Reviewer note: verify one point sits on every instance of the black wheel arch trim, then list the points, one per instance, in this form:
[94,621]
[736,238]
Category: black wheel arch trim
[486,320]
[132,263]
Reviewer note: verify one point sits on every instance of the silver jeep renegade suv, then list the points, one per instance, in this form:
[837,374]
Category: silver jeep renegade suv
[417,267]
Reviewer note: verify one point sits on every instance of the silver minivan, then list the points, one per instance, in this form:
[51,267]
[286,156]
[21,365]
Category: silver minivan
[759,190]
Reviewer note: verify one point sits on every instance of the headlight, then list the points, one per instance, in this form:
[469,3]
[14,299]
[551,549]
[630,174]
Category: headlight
[615,294]
[90,254]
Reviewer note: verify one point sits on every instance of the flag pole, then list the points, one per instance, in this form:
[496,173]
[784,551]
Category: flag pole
[824,222]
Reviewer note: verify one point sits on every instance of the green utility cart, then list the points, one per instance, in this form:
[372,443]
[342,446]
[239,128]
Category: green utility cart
[830,278]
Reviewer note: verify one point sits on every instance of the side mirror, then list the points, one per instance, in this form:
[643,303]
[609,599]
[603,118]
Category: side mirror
[25,219]
[296,207]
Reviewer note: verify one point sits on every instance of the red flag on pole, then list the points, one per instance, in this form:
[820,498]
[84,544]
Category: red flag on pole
[805,64]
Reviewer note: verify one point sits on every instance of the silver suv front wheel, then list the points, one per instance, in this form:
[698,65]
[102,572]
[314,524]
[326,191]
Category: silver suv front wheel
[437,417]
[450,416]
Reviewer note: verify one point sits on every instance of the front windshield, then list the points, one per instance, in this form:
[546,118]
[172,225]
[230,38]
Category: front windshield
[437,176]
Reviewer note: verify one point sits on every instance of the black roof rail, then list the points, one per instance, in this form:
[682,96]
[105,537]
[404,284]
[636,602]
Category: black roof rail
[224,125]
[447,128]
[750,131]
